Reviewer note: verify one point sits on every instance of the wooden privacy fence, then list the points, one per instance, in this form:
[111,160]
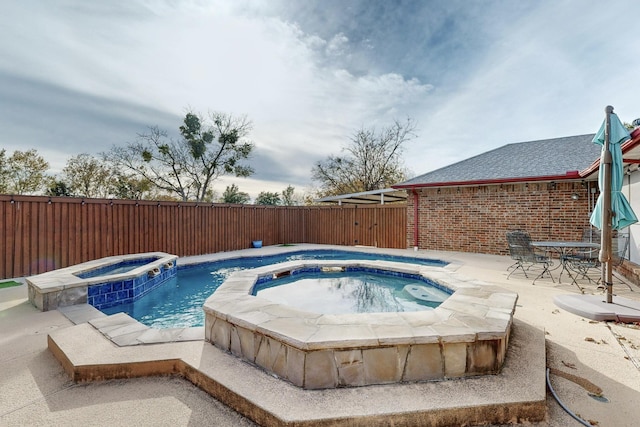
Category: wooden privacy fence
[44,233]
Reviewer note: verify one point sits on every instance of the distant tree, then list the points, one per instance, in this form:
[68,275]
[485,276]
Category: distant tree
[58,188]
[208,148]
[4,172]
[268,198]
[289,197]
[88,176]
[310,195]
[372,161]
[210,196]
[232,194]
[130,187]
[309,199]
[23,173]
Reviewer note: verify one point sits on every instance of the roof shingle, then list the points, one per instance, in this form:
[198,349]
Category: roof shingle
[545,158]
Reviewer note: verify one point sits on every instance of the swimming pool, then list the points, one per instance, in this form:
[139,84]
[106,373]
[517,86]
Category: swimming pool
[178,302]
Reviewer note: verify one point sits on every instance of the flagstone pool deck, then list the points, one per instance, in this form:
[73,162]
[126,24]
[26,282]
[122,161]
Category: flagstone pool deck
[35,389]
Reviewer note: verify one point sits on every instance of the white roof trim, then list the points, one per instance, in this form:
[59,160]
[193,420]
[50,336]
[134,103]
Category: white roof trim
[386,195]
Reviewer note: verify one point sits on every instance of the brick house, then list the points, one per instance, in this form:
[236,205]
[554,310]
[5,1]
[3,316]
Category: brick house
[547,187]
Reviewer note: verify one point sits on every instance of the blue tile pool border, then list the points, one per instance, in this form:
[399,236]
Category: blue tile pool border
[109,294]
[64,287]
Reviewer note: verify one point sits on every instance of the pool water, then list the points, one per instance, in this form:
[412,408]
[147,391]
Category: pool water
[121,267]
[350,292]
[177,303]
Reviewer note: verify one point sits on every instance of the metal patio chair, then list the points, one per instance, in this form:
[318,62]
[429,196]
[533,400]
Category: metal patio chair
[525,255]
[584,261]
[620,252]
[591,235]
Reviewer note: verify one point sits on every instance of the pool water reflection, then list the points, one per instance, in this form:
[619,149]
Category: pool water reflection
[349,292]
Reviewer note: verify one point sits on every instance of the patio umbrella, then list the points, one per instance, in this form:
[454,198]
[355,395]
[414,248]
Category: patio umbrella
[612,210]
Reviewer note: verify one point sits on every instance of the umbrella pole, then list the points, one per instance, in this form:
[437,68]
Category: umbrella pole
[605,250]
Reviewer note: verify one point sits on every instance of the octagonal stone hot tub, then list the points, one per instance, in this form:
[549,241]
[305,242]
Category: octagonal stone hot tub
[467,335]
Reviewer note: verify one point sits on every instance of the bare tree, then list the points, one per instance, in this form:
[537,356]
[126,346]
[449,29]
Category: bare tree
[207,149]
[372,161]
[157,159]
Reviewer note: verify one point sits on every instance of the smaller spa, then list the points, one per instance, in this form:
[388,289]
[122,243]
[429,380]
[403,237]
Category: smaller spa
[466,335]
[102,283]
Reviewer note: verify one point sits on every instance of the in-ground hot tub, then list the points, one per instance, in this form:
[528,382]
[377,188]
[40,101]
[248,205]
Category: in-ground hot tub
[102,283]
[467,335]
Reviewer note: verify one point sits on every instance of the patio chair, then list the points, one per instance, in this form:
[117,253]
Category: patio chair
[582,262]
[525,255]
[620,251]
[591,235]
[619,248]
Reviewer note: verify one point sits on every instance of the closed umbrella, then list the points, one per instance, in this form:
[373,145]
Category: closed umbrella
[612,210]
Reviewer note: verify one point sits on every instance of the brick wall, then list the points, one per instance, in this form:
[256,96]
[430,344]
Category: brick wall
[475,219]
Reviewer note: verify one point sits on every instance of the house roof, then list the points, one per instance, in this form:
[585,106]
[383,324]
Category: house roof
[545,160]
[630,153]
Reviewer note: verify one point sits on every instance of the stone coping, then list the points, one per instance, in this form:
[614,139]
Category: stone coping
[475,311]
[467,335]
[65,278]
[266,251]
[123,330]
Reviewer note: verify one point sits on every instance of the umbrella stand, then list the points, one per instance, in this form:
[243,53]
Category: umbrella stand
[612,210]
[605,249]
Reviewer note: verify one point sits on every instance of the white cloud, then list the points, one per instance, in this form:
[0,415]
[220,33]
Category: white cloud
[171,57]
[105,71]
[338,45]
[551,76]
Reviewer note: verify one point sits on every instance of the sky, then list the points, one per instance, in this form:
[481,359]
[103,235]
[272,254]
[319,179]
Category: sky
[79,76]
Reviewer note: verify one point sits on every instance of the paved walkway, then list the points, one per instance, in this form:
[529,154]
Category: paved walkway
[34,389]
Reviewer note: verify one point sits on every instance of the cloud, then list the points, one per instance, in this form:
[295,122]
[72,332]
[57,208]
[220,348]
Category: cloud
[60,122]
[337,45]
[82,76]
[550,75]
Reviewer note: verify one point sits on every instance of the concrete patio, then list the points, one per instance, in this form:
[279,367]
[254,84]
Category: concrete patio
[35,389]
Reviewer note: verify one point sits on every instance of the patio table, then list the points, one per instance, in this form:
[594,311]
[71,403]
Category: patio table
[563,248]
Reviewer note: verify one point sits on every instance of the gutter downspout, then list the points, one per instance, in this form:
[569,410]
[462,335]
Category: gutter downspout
[415,220]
